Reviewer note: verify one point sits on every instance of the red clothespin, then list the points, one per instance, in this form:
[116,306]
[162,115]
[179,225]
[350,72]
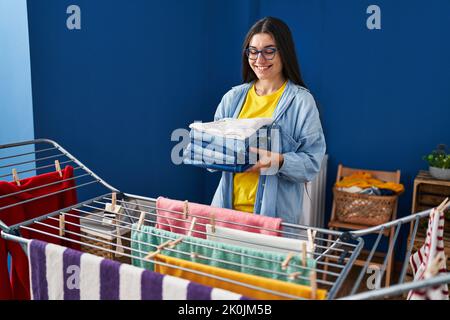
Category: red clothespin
[58,168]
[16,177]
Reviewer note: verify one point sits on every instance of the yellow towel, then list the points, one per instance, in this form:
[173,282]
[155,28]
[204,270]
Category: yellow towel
[365,180]
[271,284]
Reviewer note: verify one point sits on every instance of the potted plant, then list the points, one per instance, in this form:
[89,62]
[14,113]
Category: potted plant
[439,162]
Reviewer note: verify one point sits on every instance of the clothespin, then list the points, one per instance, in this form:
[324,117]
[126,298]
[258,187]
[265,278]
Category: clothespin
[58,168]
[313,283]
[442,205]
[113,201]
[62,224]
[185,210]
[294,275]
[285,263]
[16,176]
[152,254]
[436,264]
[304,253]
[175,242]
[194,255]
[141,220]
[213,222]
[311,239]
[191,228]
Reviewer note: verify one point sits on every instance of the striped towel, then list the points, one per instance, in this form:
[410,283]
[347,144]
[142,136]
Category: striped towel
[58,273]
[421,261]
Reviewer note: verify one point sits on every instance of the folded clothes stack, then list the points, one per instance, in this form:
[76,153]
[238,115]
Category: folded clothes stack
[224,144]
[363,183]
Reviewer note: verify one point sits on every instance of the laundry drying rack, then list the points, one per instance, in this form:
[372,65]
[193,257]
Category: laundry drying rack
[334,252]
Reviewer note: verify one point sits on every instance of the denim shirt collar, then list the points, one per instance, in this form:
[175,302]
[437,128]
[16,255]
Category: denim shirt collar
[282,106]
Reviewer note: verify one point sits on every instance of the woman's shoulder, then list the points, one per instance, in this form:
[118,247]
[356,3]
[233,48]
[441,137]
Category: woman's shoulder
[302,96]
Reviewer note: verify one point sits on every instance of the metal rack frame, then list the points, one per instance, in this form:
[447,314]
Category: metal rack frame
[342,247]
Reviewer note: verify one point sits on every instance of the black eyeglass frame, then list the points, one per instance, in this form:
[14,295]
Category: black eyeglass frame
[275,50]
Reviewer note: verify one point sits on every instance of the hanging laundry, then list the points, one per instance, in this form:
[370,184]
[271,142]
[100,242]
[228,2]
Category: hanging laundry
[257,240]
[263,263]
[296,290]
[59,273]
[174,222]
[19,279]
[365,180]
[422,260]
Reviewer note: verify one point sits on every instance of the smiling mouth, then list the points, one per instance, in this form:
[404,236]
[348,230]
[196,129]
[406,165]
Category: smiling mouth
[262,68]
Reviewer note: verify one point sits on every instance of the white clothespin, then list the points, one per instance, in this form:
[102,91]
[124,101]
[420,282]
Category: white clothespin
[285,263]
[313,283]
[191,228]
[141,220]
[16,177]
[62,224]
[58,168]
[185,210]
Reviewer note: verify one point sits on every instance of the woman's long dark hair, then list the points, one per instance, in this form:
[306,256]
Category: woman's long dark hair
[286,48]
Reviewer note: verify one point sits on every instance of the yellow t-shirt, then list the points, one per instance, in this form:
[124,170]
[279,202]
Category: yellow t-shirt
[246,183]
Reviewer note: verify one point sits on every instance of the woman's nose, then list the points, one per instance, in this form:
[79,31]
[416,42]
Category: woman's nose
[260,58]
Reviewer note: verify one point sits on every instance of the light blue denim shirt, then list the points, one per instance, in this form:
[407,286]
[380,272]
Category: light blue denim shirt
[302,145]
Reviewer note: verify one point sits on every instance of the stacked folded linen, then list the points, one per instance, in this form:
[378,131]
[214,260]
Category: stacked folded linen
[224,144]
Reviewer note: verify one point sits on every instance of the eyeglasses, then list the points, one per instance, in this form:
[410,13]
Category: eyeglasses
[267,53]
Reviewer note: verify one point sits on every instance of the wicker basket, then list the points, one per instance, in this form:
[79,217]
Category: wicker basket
[362,208]
[100,242]
[98,235]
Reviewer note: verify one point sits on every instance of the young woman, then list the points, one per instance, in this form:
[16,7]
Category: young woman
[273,87]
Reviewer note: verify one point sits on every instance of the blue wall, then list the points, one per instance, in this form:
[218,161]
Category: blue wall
[16,110]
[112,92]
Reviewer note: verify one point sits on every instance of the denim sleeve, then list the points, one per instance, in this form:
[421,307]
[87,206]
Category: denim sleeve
[304,163]
[223,109]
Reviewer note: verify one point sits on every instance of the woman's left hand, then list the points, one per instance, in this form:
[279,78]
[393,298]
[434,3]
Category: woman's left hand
[267,159]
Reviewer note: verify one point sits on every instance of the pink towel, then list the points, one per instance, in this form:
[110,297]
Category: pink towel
[247,221]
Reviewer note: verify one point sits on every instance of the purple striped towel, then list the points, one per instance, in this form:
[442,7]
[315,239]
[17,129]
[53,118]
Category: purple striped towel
[58,273]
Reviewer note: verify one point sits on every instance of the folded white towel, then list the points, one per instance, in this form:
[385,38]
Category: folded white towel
[257,240]
[239,129]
